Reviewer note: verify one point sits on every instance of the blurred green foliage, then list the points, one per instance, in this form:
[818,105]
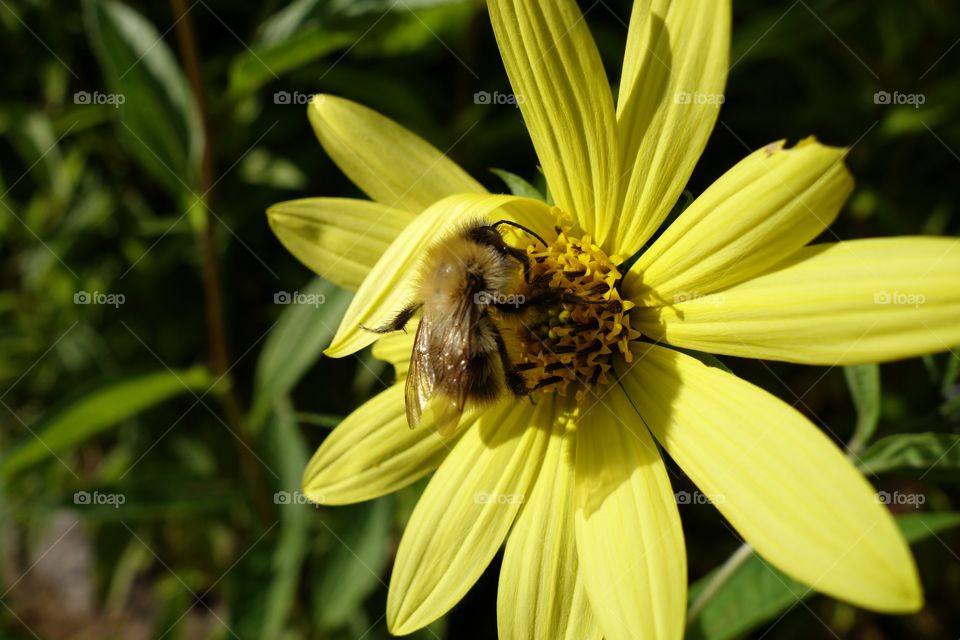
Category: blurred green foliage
[104,193]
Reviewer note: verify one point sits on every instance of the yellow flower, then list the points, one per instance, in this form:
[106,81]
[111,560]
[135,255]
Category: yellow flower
[595,545]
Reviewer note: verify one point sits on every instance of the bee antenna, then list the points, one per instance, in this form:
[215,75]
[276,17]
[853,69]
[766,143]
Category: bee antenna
[519,226]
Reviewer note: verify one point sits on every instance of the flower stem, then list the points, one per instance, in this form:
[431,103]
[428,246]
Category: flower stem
[723,574]
[213,293]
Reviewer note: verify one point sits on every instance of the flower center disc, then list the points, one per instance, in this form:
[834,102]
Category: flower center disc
[573,337]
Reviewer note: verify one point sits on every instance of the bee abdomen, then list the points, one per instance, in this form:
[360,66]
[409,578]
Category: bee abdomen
[485,384]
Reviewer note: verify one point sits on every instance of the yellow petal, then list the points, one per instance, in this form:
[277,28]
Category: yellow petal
[541,593]
[392,283]
[465,512]
[674,72]
[629,538]
[565,98]
[767,207]
[373,452]
[338,238]
[389,163]
[778,479]
[396,348]
[845,303]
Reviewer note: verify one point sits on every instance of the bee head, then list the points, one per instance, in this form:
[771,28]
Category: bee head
[488,236]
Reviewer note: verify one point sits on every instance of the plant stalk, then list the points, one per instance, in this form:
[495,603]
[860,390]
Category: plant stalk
[213,291]
[723,574]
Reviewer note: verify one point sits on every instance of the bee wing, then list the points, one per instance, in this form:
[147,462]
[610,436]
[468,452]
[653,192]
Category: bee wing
[421,376]
[445,412]
[438,381]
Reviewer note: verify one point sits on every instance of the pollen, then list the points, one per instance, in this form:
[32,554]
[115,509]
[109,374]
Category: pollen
[569,343]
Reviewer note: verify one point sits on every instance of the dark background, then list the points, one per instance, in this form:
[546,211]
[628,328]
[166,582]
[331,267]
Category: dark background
[121,400]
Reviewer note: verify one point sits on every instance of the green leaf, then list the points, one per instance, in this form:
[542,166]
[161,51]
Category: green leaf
[917,527]
[98,411]
[155,499]
[357,558]
[518,186]
[157,116]
[285,23]
[929,452]
[953,369]
[347,8]
[325,420]
[260,167]
[864,383]
[35,139]
[307,30]
[296,343]
[951,408]
[757,592]
[264,63]
[414,25]
[952,373]
[289,458]
[911,120]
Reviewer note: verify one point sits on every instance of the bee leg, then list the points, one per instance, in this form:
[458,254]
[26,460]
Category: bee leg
[521,256]
[515,381]
[546,382]
[518,386]
[542,298]
[508,308]
[520,226]
[399,323]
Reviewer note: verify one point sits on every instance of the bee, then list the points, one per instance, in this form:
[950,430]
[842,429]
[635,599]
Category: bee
[459,354]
